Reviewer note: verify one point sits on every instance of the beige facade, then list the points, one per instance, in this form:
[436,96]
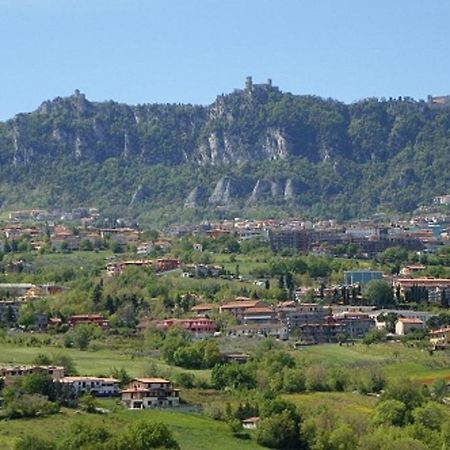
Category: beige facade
[150,393]
[404,326]
[440,338]
[55,372]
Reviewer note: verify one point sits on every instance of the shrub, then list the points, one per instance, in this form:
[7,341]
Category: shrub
[30,406]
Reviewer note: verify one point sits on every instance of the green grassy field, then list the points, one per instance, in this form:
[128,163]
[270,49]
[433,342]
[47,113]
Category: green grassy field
[193,431]
[396,360]
[92,362]
[343,404]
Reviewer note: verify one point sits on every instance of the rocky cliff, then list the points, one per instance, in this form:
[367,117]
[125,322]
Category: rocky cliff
[256,147]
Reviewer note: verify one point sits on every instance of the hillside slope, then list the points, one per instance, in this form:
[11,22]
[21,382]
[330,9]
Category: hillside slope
[256,151]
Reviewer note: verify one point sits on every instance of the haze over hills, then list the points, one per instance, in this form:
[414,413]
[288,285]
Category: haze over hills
[256,151]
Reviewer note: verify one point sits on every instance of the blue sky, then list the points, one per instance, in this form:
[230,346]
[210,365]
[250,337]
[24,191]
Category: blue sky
[140,51]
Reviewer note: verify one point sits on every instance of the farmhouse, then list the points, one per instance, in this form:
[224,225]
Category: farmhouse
[440,339]
[56,372]
[199,327]
[150,393]
[88,319]
[97,386]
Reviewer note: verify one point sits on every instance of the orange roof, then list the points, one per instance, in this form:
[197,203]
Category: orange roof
[73,379]
[151,380]
[410,320]
[441,330]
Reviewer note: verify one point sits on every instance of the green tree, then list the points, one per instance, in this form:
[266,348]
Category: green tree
[439,389]
[278,431]
[379,293]
[82,335]
[390,412]
[147,435]
[342,438]
[429,415]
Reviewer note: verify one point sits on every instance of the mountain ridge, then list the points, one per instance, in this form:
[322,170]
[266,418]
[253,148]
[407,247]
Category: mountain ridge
[256,150]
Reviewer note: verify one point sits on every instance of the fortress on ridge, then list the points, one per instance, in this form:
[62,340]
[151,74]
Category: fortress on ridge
[252,87]
[442,101]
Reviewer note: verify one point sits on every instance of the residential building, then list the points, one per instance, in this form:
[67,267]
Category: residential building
[411,269]
[98,386]
[316,333]
[202,271]
[440,339]
[204,308]
[238,307]
[293,314]
[406,325]
[276,330]
[150,393]
[88,319]
[357,324]
[258,315]
[199,327]
[418,289]
[8,371]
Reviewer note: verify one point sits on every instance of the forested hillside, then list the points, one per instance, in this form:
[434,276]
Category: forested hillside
[257,151]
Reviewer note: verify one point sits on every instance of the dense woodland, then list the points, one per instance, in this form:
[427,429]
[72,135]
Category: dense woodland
[339,160]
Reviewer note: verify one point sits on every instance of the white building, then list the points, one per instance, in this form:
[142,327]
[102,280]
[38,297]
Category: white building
[93,385]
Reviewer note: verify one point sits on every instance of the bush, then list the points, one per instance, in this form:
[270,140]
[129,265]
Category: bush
[184,379]
[147,435]
[34,443]
[30,406]
[278,431]
[390,412]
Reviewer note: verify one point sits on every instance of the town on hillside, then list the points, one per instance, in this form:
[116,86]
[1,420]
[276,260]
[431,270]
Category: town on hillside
[225,319]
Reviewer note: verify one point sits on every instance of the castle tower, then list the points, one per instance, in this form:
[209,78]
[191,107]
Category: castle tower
[248,84]
[269,82]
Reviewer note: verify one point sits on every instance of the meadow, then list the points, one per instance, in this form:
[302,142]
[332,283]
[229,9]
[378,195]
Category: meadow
[193,431]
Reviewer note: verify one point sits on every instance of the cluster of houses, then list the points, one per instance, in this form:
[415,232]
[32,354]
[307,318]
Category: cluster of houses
[140,393]
[116,268]
[15,295]
[310,323]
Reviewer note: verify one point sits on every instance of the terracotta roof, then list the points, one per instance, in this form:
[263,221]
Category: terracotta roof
[73,379]
[441,330]
[151,380]
[410,320]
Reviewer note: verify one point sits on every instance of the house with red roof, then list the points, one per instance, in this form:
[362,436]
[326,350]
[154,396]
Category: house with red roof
[144,393]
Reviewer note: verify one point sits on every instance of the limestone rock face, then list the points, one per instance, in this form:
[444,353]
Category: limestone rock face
[261,191]
[291,189]
[139,195]
[196,197]
[276,188]
[227,190]
[222,192]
